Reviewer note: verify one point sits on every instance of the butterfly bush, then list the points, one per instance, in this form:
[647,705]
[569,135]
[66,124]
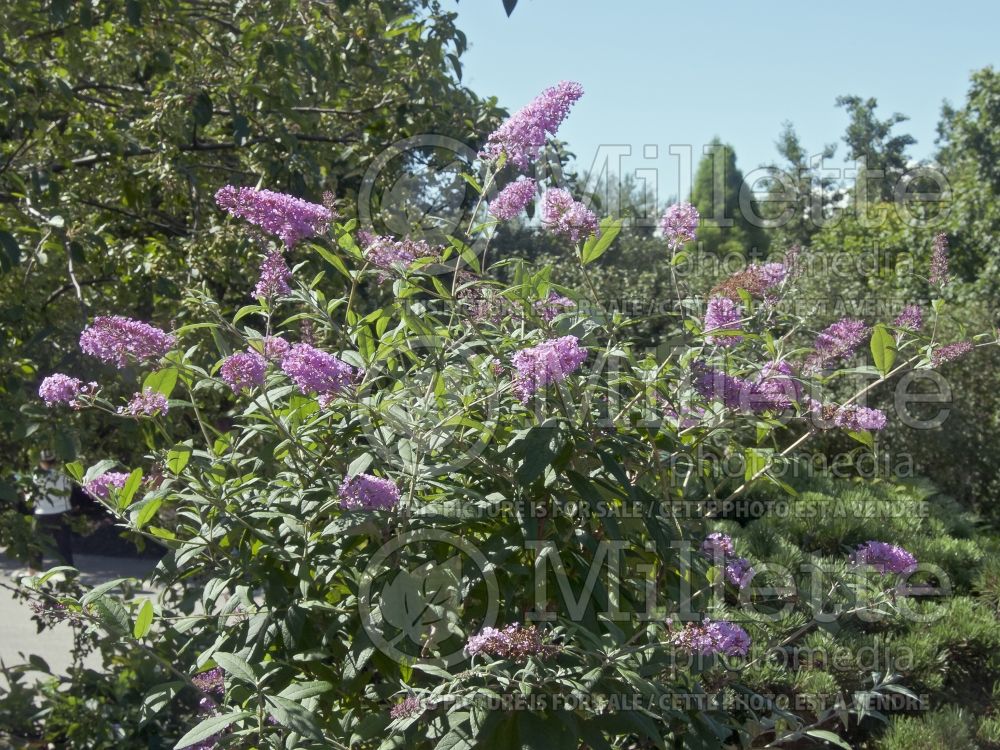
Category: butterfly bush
[522,137]
[274,277]
[339,577]
[566,216]
[100,487]
[316,371]
[115,339]
[148,403]
[679,225]
[513,642]
[290,219]
[884,557]
[367,492]
[513,199]
[709,638]
[245,370]
[722,313]
[548,362]
[62,389]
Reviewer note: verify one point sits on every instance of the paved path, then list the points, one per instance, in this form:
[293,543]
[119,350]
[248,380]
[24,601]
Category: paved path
[18,633]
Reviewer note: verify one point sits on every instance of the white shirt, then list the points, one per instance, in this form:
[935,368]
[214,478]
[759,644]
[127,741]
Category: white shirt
[52,490]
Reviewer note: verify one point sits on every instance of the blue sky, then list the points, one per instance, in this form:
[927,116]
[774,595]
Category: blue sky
[664,72]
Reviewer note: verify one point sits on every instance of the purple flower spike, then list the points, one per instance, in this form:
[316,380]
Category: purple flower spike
[316,371]
[274,277]
[149,403]
[513,642]
[510,201]
[858,418]
[680,225]
[243,370]
[113,339]
[713,638]
[717,544]
[100,487]
[568,217]
[549,362]
[722,314]
[884,557]
[522,136]
[950,352]
[289,218]
[910,318]
[60,389]
[367,492]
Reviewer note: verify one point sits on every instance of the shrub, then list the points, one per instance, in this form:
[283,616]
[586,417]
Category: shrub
[465,512]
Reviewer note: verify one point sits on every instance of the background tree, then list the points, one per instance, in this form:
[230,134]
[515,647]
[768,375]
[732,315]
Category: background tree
[871,139]
[798,197]
[726,227]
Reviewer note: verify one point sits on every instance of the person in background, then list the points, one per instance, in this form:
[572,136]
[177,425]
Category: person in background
[51,499]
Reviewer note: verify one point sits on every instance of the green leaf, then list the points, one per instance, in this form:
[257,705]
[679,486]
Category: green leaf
[75,470]
[162,381]
[144,620]
[236,666]
[146,512]
[178,457]
[208,727]
[11,255]
[132,485]
[99,591]
[299,691]
[756,461]
[833,739]
[111,614]
[864,437]
[596,246]
[202,109]
[883,347]
[158,699]
[294,716]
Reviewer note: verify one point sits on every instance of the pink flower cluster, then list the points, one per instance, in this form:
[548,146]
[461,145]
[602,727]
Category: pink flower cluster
[113,339]
[552,305]
[63,389]
[549,362]
[774,389]
[510,201]
[712,638]
[910,317]
[722,313]
[100,487]
[950,352]
[367,492]
[680,225]
[858,418]
[244,370]
[568,217]
[388,253]
[513,642]
[719,548]
[316,371]
[522,136]
[289,218]
[838,341]
[409,706]
[884,557]
[274,277]
[146,404]
[939,261]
